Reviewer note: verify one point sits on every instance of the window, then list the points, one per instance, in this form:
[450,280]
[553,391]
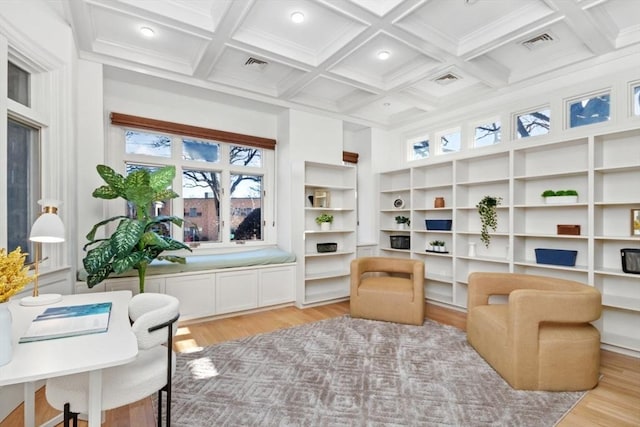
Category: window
[419,148]
[487,134]
[635,95]
[222,184]
[533,123]
[23,183]
[588,111]
[19,84]
[450,142]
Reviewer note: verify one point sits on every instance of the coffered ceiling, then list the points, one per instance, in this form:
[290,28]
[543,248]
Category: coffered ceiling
[440,52]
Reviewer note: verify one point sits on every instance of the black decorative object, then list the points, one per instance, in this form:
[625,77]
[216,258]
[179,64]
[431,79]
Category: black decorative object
[630,260]
[326,247]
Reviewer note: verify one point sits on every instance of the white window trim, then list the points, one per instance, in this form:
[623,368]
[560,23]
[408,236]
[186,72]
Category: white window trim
[47,85]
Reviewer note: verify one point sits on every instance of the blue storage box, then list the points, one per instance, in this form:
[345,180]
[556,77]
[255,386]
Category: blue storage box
[438,224]
[556,257]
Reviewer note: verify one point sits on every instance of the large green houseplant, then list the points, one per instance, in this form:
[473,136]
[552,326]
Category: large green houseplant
[136,241]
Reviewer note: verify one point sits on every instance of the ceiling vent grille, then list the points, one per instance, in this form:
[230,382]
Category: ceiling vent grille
[446,79]
[255,63]
[538,41]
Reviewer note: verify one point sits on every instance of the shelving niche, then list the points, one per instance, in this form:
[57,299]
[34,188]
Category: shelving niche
[603,168]
[326,275]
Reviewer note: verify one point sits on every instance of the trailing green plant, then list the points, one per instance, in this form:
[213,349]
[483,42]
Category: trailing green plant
[402,220]
[324,218]
[488,217]
[136,241]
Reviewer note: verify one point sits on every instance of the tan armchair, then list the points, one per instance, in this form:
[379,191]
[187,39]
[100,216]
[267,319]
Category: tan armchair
[541,339]
[390,289]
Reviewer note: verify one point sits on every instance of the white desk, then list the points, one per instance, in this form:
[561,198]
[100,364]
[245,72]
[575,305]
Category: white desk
[53,358]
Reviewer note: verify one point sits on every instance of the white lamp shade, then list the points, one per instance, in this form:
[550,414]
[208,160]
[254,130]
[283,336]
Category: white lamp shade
[48,228]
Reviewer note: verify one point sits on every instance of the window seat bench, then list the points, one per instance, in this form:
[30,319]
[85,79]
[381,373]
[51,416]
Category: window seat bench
[212,285]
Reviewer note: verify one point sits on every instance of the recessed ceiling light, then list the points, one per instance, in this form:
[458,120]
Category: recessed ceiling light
[383,55]
[297,17]
[147,32]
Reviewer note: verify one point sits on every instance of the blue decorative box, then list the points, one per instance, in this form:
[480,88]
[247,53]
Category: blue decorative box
[556,257]
[438,224]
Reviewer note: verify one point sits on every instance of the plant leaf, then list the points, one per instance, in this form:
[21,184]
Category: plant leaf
[164,218]
[97,257]
[92,234]
[105,192]
[165,195]
[173,258]
[141,195]
[162,178]
[99,276]
[175,245]
[151,238]
[129,261]
[111,177]
[126,236]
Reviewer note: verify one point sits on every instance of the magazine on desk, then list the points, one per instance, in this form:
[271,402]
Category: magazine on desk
[69,321]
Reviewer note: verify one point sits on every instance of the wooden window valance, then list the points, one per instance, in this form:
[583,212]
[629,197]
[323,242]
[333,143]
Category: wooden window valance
[350,157]
[127,120]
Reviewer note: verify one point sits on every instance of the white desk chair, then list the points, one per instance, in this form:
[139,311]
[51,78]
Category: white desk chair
[154,317]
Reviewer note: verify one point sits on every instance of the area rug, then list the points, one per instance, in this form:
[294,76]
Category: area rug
[353,372]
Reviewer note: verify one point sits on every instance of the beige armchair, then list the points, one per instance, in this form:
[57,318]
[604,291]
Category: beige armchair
[390,289]
[541,339]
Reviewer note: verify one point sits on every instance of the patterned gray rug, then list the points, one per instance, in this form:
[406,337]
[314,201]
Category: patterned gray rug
[353,372]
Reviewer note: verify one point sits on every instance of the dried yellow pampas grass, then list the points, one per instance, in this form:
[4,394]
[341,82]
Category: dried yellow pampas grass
[13,274]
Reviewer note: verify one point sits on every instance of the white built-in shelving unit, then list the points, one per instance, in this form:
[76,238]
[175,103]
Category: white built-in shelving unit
[325,276]
[603,168]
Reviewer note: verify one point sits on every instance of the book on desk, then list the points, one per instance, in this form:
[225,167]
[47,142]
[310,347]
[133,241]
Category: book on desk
[68,321]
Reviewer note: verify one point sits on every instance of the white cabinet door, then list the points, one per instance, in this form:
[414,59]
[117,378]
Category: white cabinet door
[151,284]
[236,291]
[276,286]
[196,294]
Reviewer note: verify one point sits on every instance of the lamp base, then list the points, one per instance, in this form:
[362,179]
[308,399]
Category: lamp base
[42,299]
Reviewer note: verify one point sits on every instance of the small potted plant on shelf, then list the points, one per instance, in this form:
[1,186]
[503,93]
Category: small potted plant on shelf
[560,196]
[402,222]
[488,217]
[324,220]
[437,246]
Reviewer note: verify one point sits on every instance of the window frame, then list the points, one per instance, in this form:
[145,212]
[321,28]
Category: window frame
[438,141]
[515,115]
[118,158]
[585,96]
[478,123]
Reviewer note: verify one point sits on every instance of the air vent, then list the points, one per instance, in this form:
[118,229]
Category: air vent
[446,79]
[255,63]
[538,41]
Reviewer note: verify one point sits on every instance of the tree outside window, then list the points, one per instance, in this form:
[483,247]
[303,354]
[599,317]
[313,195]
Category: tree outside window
[533,124]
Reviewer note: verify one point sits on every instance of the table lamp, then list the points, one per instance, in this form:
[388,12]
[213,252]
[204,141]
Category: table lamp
[48,228]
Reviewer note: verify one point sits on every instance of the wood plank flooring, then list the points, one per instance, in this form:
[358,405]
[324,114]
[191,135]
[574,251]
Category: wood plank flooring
[615,402]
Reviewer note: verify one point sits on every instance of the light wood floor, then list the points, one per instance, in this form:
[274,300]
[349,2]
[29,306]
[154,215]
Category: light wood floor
[615,402]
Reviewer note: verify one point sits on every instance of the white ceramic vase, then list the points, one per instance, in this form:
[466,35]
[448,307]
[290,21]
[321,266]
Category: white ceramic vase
[5,334]
[472,250]
[325,226]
